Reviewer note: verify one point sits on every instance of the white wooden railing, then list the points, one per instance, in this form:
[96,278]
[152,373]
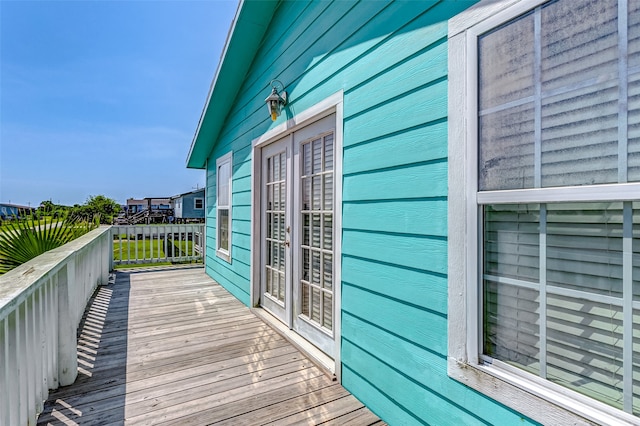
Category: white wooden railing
[43,300]
[136,244]
[41,305]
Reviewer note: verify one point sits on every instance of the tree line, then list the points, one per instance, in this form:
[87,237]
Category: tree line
[99,208]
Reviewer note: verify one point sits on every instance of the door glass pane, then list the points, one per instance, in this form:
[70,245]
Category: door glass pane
[315,267]
[317,156]
[307,160]
[328,152]
[327,263]
[316,216]
[317,192]
[306,229]
[315,304]
[305,265]
[327,230]
[328,191]
[305,299]
[275,188]
[327,305]
[315,230]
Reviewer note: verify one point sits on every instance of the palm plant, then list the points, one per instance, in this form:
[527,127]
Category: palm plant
[22,240]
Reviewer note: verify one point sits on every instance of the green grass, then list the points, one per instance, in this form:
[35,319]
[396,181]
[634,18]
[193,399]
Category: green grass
[185,247]
[142,265]
[137,248]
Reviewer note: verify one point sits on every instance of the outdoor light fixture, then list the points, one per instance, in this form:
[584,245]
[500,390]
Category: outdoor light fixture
[276,100]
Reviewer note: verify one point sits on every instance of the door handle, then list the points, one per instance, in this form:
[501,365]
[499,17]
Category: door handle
[285,243]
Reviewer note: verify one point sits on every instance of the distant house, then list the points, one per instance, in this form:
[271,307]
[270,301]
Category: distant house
[9,211]
[189,206]
[136,205]
[446,209]
[148,210]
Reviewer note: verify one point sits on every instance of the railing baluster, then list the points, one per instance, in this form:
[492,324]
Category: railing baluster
[38,298]
[144,243]
[5,403]
[32,355]
[178,242]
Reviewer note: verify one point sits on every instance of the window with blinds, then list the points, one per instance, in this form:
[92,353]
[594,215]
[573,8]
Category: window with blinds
[559,107]
[223,207]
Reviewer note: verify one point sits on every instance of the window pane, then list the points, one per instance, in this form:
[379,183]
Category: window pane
[584,247]
[223,229]
[506,149]
[580,91]
[581,245]
[634,92]
[636,251]
[584,347]
[633,135]
[511,273]
[579,42]
[512,325]
[511,242]
[506,59]
[224,174]
[580,137]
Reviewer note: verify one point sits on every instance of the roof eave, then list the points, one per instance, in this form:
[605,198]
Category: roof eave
[244,37]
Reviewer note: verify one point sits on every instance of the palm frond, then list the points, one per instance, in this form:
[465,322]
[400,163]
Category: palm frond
[23,240]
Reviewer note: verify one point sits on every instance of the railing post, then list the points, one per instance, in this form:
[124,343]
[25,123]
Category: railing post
[67,329]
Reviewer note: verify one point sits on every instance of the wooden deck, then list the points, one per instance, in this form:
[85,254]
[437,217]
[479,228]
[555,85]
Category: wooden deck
[173,347]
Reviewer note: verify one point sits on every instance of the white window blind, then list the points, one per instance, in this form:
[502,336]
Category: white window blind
[550,107]
[559,106]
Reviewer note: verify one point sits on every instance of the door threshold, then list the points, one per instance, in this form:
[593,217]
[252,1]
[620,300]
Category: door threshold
[319,358]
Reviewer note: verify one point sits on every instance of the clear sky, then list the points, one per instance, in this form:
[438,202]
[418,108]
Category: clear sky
[104,97]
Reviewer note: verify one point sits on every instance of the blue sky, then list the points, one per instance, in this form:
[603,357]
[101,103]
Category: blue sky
[104,97]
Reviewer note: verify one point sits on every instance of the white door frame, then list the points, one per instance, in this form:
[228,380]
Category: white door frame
[331,105]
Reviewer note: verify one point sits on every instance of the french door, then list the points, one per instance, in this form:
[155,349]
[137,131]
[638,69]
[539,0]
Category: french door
[297,241]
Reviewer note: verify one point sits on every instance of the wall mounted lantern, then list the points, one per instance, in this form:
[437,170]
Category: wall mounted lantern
[276,100]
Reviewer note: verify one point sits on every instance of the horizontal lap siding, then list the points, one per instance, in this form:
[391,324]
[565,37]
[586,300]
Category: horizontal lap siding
[390,59]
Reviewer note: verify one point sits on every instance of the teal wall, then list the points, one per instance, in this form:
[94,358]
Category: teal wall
[391,61]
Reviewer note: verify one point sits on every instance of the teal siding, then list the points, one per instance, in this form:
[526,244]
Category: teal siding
[390,59]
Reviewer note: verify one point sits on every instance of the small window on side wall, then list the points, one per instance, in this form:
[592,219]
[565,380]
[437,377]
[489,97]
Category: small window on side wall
[198,203]
[223,206]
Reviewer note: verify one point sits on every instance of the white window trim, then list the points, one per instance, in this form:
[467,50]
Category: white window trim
[195,203]
[221,253]
[536,398]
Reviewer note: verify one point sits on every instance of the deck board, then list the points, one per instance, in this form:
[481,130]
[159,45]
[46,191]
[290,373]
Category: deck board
[170,346]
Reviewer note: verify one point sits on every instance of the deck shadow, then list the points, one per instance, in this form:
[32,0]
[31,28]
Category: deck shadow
[102,362]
